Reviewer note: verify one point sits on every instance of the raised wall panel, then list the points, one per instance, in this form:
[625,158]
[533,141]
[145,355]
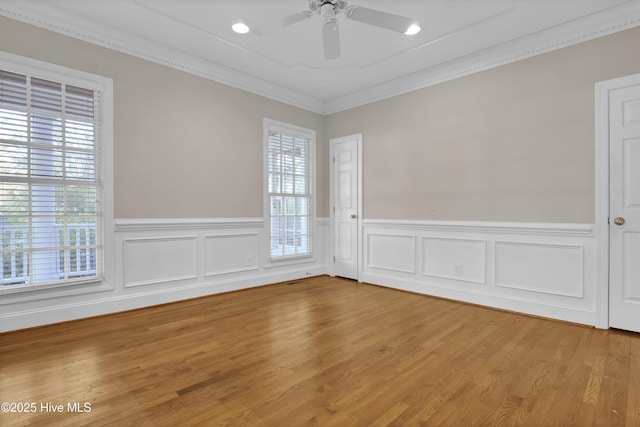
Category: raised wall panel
[458,259]
[158,260]
[391,252]
[229,253]
[547,268]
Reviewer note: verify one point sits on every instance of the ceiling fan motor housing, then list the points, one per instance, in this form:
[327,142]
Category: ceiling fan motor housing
[337,5]
[328,12]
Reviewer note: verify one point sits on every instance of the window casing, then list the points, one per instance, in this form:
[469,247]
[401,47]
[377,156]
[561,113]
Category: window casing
[52,192]
[289,195]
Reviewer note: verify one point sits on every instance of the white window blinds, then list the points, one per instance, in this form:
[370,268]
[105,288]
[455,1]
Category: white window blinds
[289,169]
[50,187]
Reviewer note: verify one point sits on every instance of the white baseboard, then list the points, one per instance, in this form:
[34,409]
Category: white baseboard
[100,306]
[526,306]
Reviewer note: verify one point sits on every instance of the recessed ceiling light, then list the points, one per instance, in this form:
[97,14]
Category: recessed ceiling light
[240,28]
[413,29]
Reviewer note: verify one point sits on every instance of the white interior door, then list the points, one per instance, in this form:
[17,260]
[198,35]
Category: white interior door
[346,204]
[624,208]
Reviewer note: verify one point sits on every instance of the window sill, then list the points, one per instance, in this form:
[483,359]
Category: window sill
[11,294]
[290,260]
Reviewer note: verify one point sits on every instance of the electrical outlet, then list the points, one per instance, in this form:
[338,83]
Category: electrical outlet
[457,270]
[249,260]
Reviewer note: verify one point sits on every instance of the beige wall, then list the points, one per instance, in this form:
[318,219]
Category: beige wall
[515,143]
[184,146]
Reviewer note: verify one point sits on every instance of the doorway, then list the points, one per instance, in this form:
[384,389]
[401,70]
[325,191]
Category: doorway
[618,195]
[346,205]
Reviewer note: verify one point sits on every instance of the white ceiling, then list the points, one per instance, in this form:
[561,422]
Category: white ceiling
[458,37]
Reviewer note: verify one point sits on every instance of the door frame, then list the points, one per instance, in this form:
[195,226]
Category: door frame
[332,219]
[602,228]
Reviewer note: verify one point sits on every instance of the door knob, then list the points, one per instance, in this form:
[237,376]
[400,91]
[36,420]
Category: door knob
[618,220]
[353,216]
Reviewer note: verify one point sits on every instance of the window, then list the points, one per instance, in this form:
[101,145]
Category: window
[289,189]
[51,186]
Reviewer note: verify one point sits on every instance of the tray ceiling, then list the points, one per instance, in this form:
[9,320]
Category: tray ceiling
[458,37]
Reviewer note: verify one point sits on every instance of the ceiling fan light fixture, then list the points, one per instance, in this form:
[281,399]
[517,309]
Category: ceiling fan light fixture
[412,30]
[330,9]
[240,28]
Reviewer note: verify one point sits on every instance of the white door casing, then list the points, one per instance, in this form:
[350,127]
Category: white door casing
[624,208]
[346,204]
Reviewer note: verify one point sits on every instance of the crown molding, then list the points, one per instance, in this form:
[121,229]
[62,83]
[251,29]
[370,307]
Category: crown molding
[612,21]
[616,19]
[48,18]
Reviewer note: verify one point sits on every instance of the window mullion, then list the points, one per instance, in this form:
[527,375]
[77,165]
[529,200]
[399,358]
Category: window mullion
[65,241]
[30,231]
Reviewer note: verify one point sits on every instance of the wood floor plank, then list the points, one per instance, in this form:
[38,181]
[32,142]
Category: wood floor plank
[322,351]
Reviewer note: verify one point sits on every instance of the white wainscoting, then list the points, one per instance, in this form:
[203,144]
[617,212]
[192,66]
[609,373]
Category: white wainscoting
[457,259]
[231,253]
[540,269]
[549,268]
[399,254]
[164,260]
[155,260]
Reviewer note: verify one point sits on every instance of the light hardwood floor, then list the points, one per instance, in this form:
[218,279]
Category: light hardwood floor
[322,351]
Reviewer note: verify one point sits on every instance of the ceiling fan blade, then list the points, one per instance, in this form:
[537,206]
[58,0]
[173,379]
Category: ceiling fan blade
[378,18]
[284,22]
[331,39]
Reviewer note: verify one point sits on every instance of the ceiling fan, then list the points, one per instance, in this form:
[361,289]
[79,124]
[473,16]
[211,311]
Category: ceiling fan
[330,9]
